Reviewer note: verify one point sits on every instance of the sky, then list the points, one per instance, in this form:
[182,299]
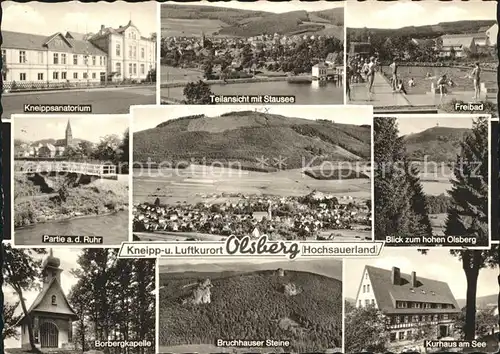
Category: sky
[411,125]
[29,128]
[49,18]
[68,257]
[397,14]
[149,117]
[276,7]
[438,264]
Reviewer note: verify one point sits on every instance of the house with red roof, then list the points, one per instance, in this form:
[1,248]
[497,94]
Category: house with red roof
[51,313]
[408,302]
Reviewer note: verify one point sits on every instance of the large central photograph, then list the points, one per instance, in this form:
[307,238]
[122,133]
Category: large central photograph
[291,173]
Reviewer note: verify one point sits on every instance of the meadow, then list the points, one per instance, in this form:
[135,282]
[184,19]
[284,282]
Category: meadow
[197,183]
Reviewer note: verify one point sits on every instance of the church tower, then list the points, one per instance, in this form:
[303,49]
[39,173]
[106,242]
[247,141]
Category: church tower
[50,269]
[69,135]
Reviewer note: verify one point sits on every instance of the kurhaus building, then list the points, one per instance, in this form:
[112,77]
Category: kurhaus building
[408,302]
[112,54]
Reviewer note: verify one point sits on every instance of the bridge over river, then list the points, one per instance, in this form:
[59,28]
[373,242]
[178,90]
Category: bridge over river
[65,167]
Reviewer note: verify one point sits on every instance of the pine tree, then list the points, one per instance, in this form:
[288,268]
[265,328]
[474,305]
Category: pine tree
[392,206]
[469,209]
[418,203]
[468,213]
[400,203]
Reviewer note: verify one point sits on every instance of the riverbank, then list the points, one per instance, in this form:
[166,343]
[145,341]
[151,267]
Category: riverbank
[95,199]
[232,81]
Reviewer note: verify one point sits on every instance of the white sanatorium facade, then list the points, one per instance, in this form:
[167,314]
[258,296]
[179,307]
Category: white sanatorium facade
[112,54]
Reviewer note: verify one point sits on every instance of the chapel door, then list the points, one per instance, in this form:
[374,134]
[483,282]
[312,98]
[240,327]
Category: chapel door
[49,335]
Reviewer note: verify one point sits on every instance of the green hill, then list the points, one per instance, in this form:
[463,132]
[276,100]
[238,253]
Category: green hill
[331,268]
[253,306]
[429,31]
[440,144]
[246,135]
[482,302]
[248,23]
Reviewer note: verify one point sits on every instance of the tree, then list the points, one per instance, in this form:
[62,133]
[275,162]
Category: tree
[10,320]
[21,271]
[424,331]
[400,207]
[468,214]
[197,93]
[365,329]
[486,320]
[110,149]
[86,148]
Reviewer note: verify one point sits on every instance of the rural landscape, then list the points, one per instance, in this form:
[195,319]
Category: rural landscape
[63,300]
[70,179]
[428,172]
[216,50]
[420,63]
[242,172]
[466,310]
[253,300]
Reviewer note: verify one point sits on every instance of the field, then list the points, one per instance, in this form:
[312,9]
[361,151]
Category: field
[196,183]
[189,21]
[423,85]
[174,27]
[170,74]
[252,305]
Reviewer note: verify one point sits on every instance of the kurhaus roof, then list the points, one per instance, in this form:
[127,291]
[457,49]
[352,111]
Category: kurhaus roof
[457,40]
[426,291]
[28,41]
[34,307]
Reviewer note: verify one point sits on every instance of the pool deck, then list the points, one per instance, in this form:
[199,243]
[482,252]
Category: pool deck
[384,97]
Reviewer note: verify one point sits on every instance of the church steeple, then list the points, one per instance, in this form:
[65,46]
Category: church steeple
[50,268]
[69,135]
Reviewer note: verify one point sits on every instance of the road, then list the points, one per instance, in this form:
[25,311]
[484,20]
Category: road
[103,100]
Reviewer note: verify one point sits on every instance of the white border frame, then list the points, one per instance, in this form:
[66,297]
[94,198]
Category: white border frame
[62,116]
[345,63]
[492,242]
[158,54]
[457,116]
[157,305]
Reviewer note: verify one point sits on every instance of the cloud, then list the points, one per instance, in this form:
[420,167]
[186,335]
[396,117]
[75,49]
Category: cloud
[15,14]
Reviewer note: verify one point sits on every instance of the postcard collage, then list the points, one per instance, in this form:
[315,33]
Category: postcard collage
[250,177]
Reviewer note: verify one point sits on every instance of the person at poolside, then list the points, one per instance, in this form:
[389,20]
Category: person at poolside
[400,88]
[476,76]
[370,76]
[442,82]
[349,75]
[394,69]
[365,69]
[411,82]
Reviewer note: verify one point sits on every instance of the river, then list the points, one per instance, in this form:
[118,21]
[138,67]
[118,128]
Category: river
[305,93]
[114,228]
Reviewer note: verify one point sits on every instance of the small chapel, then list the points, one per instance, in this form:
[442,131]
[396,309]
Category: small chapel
[51,313]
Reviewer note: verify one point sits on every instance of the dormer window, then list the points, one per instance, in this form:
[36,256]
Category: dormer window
[412,290]
[423,292]
[54,300]
[433,293]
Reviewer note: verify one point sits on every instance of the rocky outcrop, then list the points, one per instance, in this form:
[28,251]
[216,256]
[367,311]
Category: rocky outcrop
[291,289]
[201,294]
